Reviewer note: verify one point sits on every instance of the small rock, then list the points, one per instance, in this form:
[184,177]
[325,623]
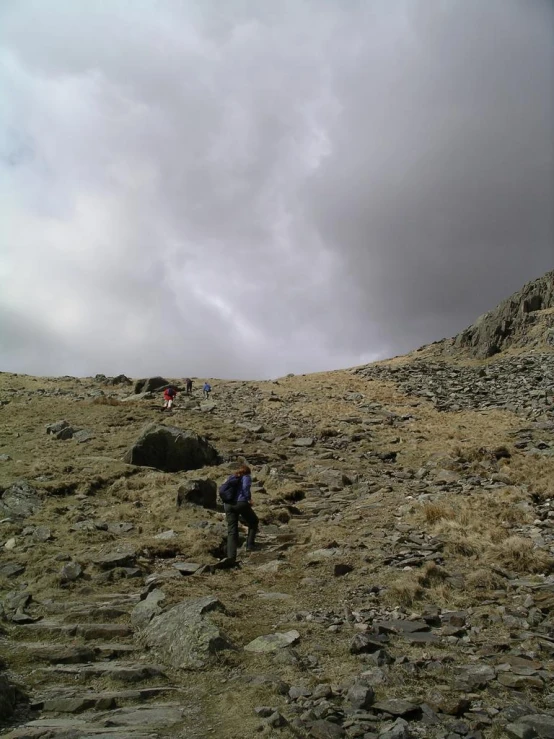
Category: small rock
[360,696]
[304,442]
[341,569]
[272,642]
[70,572]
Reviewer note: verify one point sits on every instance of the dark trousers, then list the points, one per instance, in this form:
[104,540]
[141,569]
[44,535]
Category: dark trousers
[243,511]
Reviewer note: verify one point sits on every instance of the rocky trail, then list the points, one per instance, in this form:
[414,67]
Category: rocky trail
[403,585]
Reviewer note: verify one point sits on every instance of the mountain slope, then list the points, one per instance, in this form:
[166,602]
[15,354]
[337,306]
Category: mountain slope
[406,552]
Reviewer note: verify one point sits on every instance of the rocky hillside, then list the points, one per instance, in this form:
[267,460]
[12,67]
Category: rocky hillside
[403,586]
[524,320]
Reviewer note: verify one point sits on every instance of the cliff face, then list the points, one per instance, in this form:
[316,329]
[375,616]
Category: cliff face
[524,319]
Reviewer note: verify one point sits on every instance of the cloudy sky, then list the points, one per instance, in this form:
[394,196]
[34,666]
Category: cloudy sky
[245,188]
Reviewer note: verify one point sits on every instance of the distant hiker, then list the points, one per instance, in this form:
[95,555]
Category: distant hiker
[237,499]
[207,390]
[188,383]
[169,396]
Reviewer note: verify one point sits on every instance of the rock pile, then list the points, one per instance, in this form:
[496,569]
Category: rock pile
[523,384]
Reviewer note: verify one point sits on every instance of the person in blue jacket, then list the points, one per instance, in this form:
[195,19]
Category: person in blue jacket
[207,389]
[241,509]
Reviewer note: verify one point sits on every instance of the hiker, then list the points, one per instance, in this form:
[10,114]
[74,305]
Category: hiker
[235,492]
[188,383]
[169,396]
[207,390]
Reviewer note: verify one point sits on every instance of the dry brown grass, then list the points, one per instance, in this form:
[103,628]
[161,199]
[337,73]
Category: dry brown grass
[522,556]
[107,400]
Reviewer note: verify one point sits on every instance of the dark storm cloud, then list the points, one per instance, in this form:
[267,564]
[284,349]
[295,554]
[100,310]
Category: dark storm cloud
[248,188]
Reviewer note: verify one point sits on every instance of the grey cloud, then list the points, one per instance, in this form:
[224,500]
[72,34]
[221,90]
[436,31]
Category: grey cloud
[250,189]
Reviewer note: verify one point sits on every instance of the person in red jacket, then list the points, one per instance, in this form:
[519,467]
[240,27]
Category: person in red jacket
[169,397]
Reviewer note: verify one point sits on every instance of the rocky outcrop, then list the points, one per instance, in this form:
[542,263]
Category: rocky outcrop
[511,322]
[171,449]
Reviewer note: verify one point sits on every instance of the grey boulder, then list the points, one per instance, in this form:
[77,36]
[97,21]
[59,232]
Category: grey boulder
[147,385]
[19,500]
[184,637]
[171,449]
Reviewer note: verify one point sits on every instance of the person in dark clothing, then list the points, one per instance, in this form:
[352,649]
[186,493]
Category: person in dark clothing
[241,509]
[188,383]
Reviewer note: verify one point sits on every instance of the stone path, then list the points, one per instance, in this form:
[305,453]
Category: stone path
[87,677]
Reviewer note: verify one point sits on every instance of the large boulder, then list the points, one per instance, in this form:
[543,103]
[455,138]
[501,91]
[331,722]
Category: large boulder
[149,384]
[19,500]
[171,449]
[198,492]
[183,636]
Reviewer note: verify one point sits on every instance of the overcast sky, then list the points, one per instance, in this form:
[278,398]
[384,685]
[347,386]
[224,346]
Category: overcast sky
[246,188]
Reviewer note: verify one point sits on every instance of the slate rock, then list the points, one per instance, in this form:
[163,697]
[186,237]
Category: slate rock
[360,696]
[183,636]
[122,557]
[70,572]
[304,442]
[366,644]
[5,458]
[82,436]
[326,730]
[541,724]
[60,430]
[42,534]
[166,535]
[396,707]
[171,449]
[198,492]
[12,569]
[272,642]
[20,500]
[187,568]
[146,609]
[475,677]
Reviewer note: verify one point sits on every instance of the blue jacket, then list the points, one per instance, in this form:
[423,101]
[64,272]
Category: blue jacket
[244,491]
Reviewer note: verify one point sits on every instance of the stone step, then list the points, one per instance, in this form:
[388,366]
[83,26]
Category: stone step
[67,700]
[86,630]
[127,672]
[56,653]
[100,614]
[130,722]
[102,600]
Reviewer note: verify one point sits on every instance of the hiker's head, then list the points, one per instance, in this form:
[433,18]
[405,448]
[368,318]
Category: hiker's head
[244,469]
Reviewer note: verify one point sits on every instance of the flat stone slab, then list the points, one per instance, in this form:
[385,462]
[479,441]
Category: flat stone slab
[396,707]
[103,631]
[124,672]
[187,568]
[272,642]
[123,557]
[399,626]
[12,569]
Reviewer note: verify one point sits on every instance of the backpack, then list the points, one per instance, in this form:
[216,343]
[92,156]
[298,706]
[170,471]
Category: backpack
[171,392]
[229,491]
